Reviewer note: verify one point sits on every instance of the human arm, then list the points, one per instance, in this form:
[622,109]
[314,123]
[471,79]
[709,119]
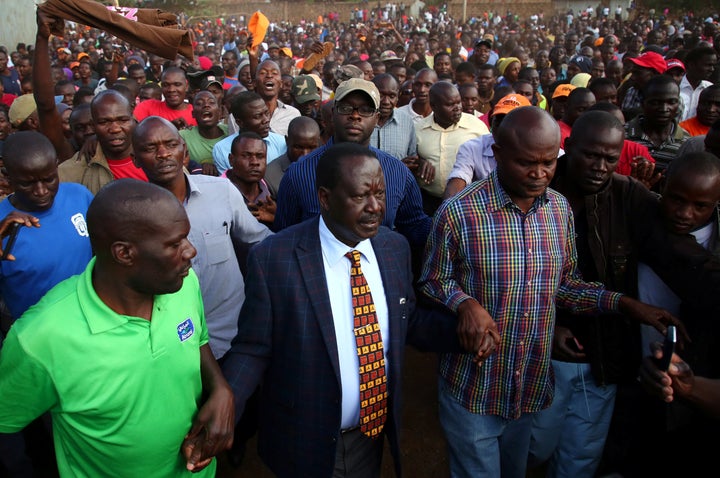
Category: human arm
[680,382]
[49,118]
[18,217]
[26,387]
[245,363]
[212,428]
[264,211]
[462,172]
[643,170]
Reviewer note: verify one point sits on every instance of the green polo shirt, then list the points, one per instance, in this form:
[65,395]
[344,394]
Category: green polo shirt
[123,391]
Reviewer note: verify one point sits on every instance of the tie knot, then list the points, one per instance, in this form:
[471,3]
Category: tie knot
[354,257]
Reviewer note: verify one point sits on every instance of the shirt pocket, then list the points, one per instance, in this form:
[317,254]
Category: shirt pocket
[218,245]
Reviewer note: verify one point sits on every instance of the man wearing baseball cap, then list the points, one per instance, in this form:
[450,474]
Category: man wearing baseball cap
[354,116]
[305,95]
[475,158]
[645,67]
[23,113]
[559,99]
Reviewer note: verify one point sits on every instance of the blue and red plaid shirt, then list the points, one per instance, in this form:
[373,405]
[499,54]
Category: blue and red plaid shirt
[518,266]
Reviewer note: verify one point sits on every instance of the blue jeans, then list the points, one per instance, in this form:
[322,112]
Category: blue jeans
[483,446]
[571,432]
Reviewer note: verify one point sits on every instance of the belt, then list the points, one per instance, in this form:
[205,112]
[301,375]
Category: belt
[345,431]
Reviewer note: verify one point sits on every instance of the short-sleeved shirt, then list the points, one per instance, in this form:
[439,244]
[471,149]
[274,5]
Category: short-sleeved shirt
[160,108]
[122,390]
[48,254]
[200,148]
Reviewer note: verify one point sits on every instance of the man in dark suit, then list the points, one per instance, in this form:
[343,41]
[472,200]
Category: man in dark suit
[298,331]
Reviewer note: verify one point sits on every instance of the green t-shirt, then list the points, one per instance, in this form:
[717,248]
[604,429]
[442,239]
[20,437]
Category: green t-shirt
[123,391]
[199,148]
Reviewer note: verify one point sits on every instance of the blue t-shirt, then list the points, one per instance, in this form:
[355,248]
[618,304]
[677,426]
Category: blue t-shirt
[48,254]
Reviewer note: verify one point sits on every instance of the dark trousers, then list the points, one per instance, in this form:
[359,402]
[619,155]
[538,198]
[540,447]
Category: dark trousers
[357,455]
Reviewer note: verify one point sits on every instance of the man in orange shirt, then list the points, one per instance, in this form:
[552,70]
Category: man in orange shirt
[708,111]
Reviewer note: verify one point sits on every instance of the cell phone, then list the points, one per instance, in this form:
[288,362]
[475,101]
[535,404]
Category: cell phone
[12,237]
[573,345]
[668,348]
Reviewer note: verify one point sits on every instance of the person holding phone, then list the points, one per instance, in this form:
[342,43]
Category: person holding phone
[679,382]
[50,244]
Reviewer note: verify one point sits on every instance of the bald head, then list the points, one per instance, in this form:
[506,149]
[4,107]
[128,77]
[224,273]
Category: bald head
[127,210]
[527,125]
[149,124]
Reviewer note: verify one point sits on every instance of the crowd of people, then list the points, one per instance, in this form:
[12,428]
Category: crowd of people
[242,241]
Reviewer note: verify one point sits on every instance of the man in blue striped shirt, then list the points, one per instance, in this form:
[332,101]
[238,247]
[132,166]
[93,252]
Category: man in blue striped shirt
[355,114]
[503,250]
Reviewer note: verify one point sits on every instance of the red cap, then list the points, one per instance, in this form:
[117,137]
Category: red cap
[675,63]
[651,60]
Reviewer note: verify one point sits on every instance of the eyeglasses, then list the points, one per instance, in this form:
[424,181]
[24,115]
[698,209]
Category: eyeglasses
[364,110]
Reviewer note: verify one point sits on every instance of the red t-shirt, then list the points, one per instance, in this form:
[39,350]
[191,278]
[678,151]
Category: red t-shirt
[565,130]
[160,108]
[7,99]
[629,151]
[125,168]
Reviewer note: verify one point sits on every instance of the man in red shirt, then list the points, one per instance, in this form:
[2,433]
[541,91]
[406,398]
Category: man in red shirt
[173,108]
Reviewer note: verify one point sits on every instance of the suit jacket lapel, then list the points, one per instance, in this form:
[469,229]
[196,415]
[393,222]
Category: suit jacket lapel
[310,261]
[391,274]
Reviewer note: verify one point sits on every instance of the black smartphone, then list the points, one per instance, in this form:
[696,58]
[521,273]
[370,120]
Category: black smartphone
[12,237]
[668,348]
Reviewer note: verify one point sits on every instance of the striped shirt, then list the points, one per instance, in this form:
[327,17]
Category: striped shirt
[297,197]
[518,267]
[663,153]
[396,137]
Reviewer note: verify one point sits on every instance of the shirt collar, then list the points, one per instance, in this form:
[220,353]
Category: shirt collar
[334,250]
[99,316]
[499,198]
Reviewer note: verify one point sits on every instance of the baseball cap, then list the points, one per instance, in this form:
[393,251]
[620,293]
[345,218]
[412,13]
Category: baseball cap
[209,80]
[287,51]
[64,50]
[357,84]
[582,62]
[484,42]
[675,63]
[274,46]
[304,89]
[347,72]
[508,103]
[580,80]
[563,89]
[651,60]
[388,55]
[74,64]
[22,107]
[318,81]
[82,55]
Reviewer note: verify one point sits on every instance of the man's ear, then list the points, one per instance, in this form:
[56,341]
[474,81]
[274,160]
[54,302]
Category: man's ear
[123,252]
[323,197]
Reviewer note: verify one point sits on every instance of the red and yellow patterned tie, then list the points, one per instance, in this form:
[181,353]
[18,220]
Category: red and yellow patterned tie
[373,381]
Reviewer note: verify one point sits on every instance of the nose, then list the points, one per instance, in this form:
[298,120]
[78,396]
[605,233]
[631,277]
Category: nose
[163,151]
[189,252]
[683,212]
[39,189]
[373,204]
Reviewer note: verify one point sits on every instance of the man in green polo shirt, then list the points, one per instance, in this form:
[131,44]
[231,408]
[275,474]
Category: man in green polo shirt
[119,354]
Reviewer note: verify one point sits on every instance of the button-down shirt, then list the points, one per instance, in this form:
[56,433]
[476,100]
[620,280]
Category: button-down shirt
[396,137]
[276,147]
[518,266]
[281,118]
[297,197]
[475,159]
[439,146]
[408,110]
[689,97]
[219,222]
[337,275]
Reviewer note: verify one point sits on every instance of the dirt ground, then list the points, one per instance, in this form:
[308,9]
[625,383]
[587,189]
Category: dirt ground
[423,448]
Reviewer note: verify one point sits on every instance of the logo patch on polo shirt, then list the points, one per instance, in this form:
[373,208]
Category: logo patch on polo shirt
[186,329]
